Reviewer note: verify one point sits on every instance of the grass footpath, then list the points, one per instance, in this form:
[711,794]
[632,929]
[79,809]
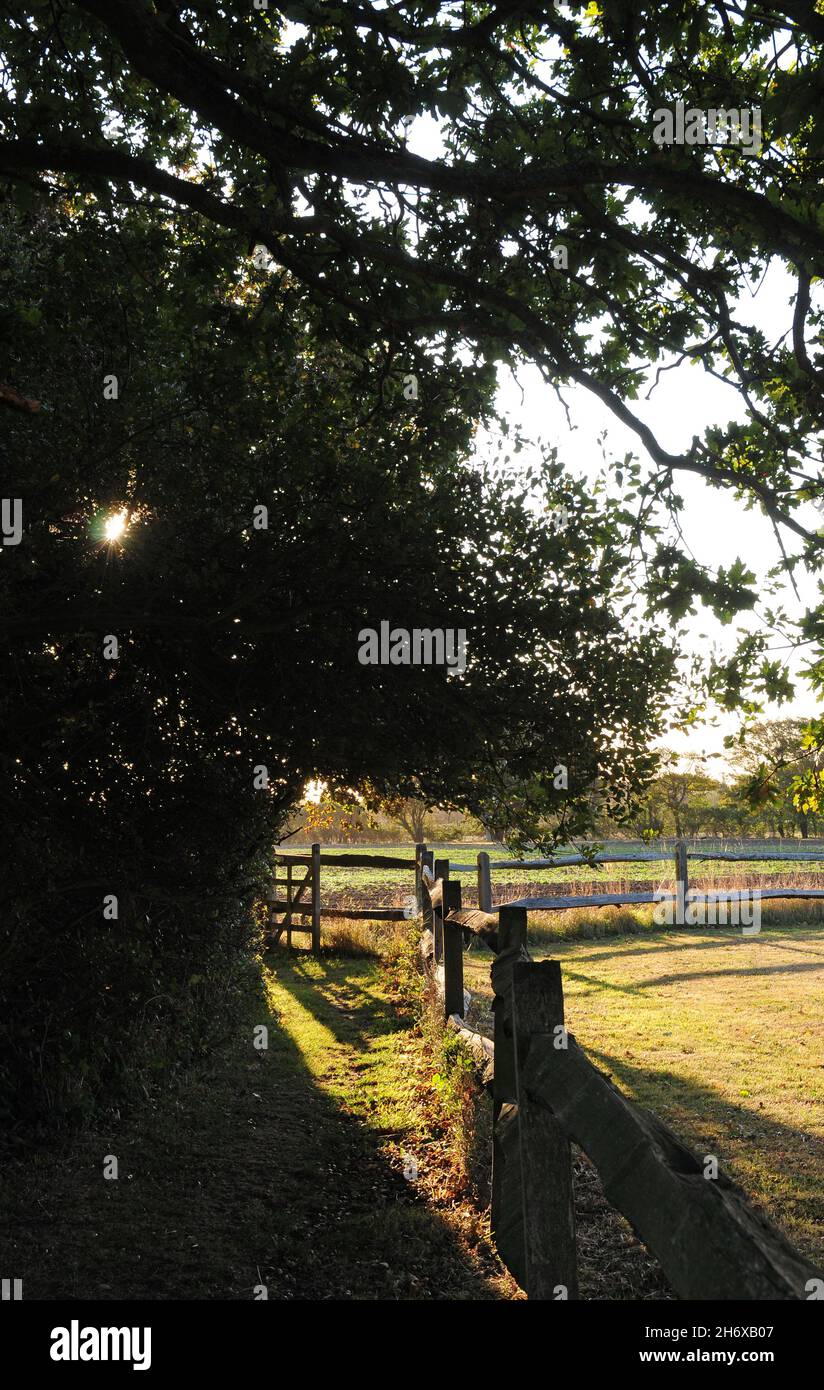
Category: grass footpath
[282,1168]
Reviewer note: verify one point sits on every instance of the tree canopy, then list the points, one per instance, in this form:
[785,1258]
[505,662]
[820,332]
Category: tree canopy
[438,189]
[295,126]
[299,127]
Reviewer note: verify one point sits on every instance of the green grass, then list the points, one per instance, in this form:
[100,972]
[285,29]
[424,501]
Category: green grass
[718,1034]
[280,1167]
[342,1032]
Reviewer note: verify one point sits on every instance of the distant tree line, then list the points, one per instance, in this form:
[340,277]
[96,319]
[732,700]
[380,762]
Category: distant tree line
[771,790]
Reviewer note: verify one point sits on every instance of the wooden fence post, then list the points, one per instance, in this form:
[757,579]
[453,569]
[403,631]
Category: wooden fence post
[272,897]
[546,1160]
[507,1217]
[316,900]
[427,862]
[453,986]
[287,921]
[512,930]
[441,871]
[681,882]
[420,851]
[484,883]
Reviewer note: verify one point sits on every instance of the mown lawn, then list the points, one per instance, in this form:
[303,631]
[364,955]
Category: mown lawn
[719,1034]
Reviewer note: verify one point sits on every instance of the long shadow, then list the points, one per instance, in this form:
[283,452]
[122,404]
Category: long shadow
[596,983]
[680,976]
[769,936]
[353,1013]
[736,1134]
[247,1175]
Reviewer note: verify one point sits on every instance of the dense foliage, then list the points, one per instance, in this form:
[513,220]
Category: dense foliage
[138,774]
[146,151]
[416,166]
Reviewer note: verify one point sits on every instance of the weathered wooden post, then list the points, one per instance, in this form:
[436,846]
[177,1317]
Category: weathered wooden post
[420,851]
[427,862]
[316,900]
[453,986]
[681,882]
[441,871]
[271,899]
[288,920]
[507,1186]
[484,883]
[546,1160]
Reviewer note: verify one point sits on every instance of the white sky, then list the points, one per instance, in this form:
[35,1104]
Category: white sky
[716,527]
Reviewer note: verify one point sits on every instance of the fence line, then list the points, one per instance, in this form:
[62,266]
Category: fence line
[294,906]
[682,896]
[546,1093]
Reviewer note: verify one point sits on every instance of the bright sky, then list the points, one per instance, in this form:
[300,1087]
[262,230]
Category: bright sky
[716,526]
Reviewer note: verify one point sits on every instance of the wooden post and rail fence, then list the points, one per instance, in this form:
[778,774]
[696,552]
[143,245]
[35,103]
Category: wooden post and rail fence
[546,1093]
[289,867]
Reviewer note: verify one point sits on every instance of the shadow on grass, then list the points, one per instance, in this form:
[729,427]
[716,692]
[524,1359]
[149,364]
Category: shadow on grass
[779,1163]
[249,1174]
[351,1011]
[682,976]
[666,939]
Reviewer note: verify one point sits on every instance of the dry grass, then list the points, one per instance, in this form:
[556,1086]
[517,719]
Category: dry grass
[717,1033]
[592,924]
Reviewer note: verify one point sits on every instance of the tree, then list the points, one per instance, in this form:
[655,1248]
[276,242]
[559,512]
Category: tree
[333,819]
[685,795]
[169,689]
[405,811]
[288,445]
[290,128]
[780,762]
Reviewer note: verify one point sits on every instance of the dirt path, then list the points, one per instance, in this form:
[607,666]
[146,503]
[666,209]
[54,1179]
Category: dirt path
[280,1168]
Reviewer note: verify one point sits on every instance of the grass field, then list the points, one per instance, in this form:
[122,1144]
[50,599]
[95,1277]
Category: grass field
[718,1034]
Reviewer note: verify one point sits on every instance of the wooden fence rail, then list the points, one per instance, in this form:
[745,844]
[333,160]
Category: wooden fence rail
[293,904]
[546,1093]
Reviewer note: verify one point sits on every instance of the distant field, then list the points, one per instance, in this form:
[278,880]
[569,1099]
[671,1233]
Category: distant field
[390,886]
